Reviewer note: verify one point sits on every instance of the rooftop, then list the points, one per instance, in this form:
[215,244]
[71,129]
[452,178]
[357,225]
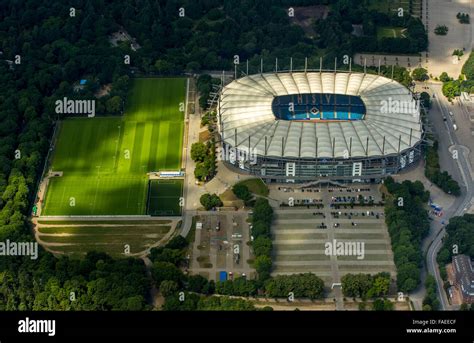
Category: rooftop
[391,112]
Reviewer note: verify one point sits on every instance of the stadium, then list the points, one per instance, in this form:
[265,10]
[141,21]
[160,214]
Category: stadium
[319,126]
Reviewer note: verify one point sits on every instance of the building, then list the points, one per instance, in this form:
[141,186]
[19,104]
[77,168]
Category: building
[319,126]
[464,277]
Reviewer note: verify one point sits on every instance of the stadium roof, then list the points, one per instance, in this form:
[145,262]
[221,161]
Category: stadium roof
[246,108]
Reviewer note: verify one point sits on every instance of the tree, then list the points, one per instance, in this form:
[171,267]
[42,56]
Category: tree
[162,271]
[444,77]
[262,211]
[210,287]
[263,266]
[193,66]
[203,100]
[210,201]
[197,283]
[161,254]
[425,99]
[241,191]
[468,67]
[382,305]
[114,104]
[163,66]
[408,277]
[458,52]
[168,287]
[459,232]
[463,18]
[262,246]
[407,226]
[420,74]
[204,155]
[431,297]
[177,242]
[224,304]
[259,228]
[199,151]
[174,303]
[441,30]
[302,285]
[381,284]
[200,171]
[356,285]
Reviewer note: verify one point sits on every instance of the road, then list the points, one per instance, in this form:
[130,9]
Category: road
[461,170]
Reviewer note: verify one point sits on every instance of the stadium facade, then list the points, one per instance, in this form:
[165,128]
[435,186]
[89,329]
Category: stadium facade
[318,126]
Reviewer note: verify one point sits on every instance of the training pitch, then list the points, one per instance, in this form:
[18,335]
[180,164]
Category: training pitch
[164,197]
[104,161]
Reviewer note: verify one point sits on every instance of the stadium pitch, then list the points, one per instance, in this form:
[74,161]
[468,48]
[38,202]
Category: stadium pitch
[105,160]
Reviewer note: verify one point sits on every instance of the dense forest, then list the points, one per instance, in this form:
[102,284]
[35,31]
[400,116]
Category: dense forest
[47,47]
[96,282]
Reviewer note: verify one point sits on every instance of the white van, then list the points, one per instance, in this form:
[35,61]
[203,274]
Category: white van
[455,127]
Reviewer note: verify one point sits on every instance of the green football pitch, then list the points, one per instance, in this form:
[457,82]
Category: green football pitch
[105,160]
[164,197]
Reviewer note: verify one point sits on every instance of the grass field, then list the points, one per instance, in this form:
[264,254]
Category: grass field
[390,32]
[105,160]
[77,240]
[102,222]
[106,230]
[164,197]
[256,186]
[96,195]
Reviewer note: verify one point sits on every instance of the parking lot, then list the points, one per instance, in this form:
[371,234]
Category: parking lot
[221,244]
[300,232]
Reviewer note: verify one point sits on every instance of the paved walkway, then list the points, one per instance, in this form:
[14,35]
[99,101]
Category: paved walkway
[440,49]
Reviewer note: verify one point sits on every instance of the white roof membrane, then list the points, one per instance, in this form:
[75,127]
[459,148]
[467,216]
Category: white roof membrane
[391,112]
